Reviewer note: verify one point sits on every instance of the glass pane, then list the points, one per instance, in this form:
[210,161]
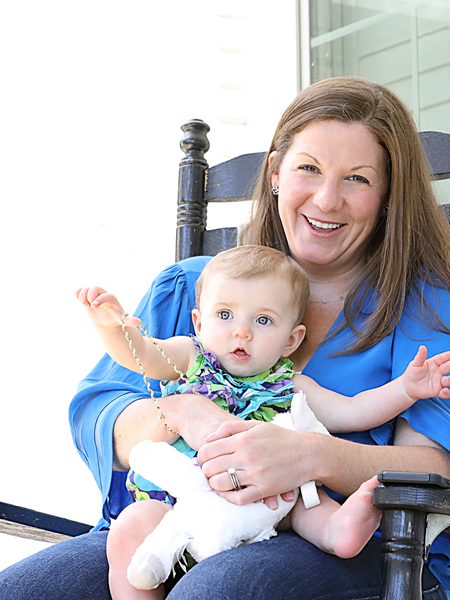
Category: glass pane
[328,15]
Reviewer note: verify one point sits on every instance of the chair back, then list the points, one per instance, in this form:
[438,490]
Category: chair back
[235,180]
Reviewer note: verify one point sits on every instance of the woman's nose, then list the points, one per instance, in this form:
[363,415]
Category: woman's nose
[328,196]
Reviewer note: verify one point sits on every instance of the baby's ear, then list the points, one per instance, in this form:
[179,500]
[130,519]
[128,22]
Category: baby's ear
[295,339]
[197,320]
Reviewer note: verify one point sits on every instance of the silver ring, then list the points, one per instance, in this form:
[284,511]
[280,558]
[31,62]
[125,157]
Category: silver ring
[234,478]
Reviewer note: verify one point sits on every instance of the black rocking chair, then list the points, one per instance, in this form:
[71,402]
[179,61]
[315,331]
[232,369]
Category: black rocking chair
[414,512]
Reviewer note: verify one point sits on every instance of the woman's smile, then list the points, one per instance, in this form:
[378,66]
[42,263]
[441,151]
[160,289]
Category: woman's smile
[321,227]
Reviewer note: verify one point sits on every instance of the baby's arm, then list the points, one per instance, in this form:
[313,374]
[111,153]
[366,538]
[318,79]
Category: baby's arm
[422,379]
[106,313]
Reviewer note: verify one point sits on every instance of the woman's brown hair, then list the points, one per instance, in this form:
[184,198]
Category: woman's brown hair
[411,243]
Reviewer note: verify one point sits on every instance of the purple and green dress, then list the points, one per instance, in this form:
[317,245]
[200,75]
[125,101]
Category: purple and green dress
[258,397]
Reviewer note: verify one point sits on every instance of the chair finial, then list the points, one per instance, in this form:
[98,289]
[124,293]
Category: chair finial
[195,142]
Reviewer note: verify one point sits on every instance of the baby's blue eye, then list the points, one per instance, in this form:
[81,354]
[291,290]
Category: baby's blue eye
[225,315]
[263,320]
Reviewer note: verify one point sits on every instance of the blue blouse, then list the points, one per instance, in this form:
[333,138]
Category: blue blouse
[166,311]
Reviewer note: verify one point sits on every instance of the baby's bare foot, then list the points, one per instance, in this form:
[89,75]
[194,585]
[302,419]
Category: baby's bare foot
[353,524]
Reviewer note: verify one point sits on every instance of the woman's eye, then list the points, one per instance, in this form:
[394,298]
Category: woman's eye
[358,179]
[308,168]
[263,320]
[225,315]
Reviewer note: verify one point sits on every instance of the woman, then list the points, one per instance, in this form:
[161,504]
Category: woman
[345,191]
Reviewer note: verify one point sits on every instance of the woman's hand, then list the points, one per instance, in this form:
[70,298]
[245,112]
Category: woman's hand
[196,417]
[225,430]
[268,459]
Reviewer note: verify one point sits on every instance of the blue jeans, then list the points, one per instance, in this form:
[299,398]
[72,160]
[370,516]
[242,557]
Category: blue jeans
[279,568]
[289,567]
[75,569]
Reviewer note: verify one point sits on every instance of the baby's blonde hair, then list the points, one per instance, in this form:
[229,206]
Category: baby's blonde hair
[248,262]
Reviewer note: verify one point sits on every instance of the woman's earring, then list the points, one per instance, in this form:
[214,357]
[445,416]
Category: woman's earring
[385,211]
[275,190]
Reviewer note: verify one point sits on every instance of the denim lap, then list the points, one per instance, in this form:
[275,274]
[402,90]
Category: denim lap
[75,569]
[283,567]
[289,567]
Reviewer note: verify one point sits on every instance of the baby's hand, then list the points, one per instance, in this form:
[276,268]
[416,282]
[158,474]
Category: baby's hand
[427,378]
[104,309]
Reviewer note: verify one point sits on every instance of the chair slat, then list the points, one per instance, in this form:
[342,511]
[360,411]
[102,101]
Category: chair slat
[233,180]
[436,147]
[217,240]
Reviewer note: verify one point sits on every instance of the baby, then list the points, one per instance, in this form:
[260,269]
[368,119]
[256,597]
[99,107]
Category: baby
[248,321]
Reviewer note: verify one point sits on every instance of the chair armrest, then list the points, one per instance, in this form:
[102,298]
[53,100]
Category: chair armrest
[413,515]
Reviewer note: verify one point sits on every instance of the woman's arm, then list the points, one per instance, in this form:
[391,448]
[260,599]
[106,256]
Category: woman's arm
[109,389]
[270,460]
[193,416]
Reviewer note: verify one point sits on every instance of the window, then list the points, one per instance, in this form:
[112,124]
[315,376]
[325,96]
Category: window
[402,44]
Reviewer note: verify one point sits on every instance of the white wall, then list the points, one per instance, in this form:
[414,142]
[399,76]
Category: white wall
[93,94]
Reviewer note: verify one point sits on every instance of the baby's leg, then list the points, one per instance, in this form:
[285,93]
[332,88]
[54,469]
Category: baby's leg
[341,530]
[127,533]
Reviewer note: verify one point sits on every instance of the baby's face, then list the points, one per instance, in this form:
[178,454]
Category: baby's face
[247,323]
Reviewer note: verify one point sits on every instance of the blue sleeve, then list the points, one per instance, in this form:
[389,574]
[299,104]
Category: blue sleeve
[430,417]
[350,374]
[353,373]
[165,311]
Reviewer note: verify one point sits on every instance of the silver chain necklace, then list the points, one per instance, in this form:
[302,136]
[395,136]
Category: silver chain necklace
[340,299]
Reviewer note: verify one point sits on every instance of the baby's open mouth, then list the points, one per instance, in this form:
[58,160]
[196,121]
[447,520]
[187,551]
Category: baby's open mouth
[240,353]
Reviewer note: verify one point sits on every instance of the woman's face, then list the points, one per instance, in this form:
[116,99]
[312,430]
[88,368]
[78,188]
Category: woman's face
[332,188]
